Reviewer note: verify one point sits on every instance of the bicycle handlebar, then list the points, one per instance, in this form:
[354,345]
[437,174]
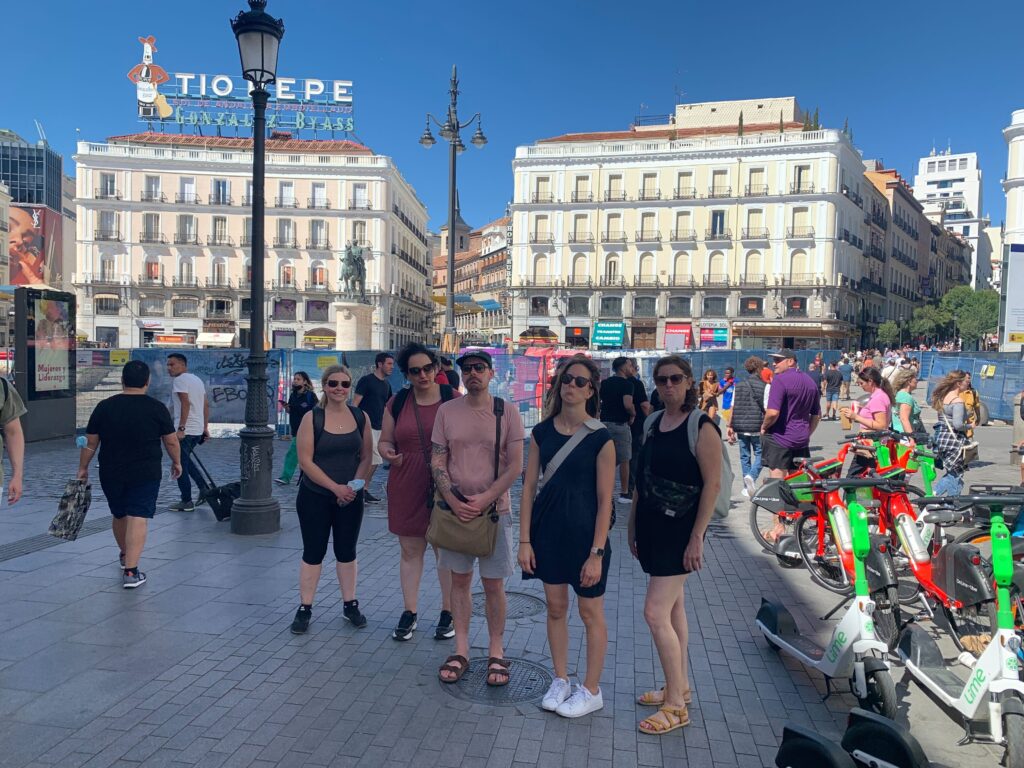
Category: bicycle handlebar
[979,500]
[851,482]
[875,434]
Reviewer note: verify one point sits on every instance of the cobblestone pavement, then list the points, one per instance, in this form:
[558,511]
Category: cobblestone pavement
[198,666]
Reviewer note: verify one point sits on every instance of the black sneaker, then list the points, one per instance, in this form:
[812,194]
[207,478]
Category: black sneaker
[405,627]
[183,506]
[445,626]
[369,498]
[301,622]
[352,613]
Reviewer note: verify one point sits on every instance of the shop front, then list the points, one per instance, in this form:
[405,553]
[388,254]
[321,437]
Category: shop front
[678,337]
[319,338]
[714,334]
[217,334]
[792,335]
[577,336]
[608,335]
[645,334]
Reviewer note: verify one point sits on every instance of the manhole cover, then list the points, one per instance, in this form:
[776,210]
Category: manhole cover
[527,682]
[520,605]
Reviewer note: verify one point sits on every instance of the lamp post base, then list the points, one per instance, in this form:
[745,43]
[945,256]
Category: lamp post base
[257,511]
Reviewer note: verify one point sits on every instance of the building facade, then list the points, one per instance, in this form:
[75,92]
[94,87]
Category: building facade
[481,282]
[32,172]
[949,187]
[1011,304]
[164,241]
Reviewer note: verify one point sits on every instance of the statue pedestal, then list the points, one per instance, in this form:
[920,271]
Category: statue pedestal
[353,325]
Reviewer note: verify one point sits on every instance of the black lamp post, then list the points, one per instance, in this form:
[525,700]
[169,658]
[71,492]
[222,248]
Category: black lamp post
[257,511]
[450,132]
[901,321]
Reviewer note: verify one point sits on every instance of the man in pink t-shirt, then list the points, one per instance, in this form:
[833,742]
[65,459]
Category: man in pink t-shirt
[463,469]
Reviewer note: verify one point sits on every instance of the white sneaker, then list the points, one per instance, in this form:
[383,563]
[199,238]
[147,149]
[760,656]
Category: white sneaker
[557,693]
[745,493]
[748,486]
[582,702]
[625,499]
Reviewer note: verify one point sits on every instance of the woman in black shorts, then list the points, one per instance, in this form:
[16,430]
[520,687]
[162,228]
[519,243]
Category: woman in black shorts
[675,499]
[335,449]
[563,529]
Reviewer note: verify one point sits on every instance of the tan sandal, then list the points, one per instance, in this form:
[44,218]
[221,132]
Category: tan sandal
[499,670]
[456,665]
[657,698]
[673,719]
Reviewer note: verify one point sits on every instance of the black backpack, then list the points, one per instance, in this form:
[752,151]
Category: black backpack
[319,417]
[398,401]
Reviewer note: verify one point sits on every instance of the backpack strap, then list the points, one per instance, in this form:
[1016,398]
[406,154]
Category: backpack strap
[448,393]
[319,417]
[360,417]
[693,429]
[398,402]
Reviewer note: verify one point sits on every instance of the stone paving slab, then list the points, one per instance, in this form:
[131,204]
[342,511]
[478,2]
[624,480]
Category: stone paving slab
[198,668]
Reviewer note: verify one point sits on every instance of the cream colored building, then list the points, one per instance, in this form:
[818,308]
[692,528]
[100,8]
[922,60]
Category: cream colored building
[164,241]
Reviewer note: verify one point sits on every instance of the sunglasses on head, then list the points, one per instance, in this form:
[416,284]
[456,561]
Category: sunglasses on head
[428,369]
[474,367]
[334,383]
[579,381]
[675,378]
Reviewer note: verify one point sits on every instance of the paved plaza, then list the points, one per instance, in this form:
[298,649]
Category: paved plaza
[198,667]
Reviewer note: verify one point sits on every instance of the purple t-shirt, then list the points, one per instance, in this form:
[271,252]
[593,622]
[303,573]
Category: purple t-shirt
[797,400]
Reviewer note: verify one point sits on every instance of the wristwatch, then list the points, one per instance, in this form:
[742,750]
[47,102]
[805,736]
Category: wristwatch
[599,551]
[181,429]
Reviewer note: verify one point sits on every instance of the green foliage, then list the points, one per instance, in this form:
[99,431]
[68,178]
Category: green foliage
[888,333]
[816,124]
[976,312]
[930,322]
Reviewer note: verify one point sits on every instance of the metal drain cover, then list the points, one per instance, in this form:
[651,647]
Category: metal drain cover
[527,682]
[520,605]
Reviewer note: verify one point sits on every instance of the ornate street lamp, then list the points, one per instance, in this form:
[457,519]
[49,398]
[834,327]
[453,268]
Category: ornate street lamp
[257,511]
[450,132]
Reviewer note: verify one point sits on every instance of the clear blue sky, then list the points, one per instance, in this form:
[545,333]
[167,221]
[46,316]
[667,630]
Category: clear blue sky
[906,74]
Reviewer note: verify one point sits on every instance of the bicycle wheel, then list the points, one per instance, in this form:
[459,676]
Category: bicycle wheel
[972,627]
[887,616]
[881,696]
[1013,729]
[909,586]
[763,521]
[821,555]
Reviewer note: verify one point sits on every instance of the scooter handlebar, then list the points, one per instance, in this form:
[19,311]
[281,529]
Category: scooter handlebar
[878,434]
[976,500]
[852,482]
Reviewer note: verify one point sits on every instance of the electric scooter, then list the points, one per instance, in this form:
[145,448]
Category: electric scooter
[991,698]
[870,740]
[853,651]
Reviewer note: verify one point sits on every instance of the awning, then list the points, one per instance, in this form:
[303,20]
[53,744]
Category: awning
[215,339]
[105,296]
[489,305]
[538,335]
[608,335]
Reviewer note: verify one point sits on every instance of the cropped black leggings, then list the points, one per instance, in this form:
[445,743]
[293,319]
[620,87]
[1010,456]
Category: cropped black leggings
[319,514]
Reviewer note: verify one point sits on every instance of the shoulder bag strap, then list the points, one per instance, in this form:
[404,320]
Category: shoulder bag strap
[499,414]
[586,428]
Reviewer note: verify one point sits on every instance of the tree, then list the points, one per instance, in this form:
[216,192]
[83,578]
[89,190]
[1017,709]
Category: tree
[782,126]
[888,333]
[741,123]
[929,321]
[807,122]
[846,126]
[976,312]
[816,125]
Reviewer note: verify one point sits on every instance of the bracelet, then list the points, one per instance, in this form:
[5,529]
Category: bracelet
[524,542]
[87,448]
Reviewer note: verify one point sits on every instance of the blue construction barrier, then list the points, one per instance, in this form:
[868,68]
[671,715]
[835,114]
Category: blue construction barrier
[998,377]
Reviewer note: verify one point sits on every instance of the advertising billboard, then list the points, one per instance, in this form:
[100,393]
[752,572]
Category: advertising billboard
[49,343]
[34,248]
[1013,322]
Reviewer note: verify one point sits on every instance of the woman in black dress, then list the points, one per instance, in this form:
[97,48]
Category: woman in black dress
[672,506]
[563,529]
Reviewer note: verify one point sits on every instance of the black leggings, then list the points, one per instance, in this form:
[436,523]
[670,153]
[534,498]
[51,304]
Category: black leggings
[318,515]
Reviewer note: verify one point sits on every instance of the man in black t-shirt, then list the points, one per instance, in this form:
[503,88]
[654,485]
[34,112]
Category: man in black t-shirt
[618,413]
[372,393]
[833,383]
[450,372]
[643,406]
[129,428]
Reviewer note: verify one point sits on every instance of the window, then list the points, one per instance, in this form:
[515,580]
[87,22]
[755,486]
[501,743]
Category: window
[542,189]
[719,183]
[185,274]
[286,194]
[615,190]
[286,274]
[151,306]
[579,305]
[360,197]
[107,306]
[679,306]
[244,313]
[220,272]
[107,185]
[319,199]
[756,182]
[646,271]
[284,309]
[359,232]
[108,270]
[802,178]
[931,166]
[648,226]
[150,227]
[650,186]
[247,230]
[538,305]
[318,275]
[684,185]
[682,265]
[185,307]
[716,266]
[540,266]
[714,306]
[751,306]
[108,225]
[218,308]
[581,189]
[186,232]
[963,163]
[579,228]
[614,231]
[644,306]
[318,233]
[220,192]
[718,222]
[611,270]
[611,306]
[187,190]
[317,310]
[151,271]
[796,306]
[753,268]
[579,269]
[151,189]
[285,233]
[220,230]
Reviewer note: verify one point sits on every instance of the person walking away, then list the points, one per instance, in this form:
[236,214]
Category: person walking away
[128,429]
[874,415]
[450,373]
[462,463]
[563,528]
[618,413]
[745,419]
[708,401]
[301,400]
[766,373]
[405,445]
[334,453]
[791,416]
[816,375]
[906,414]
[972,408]
[13,437]
[190,409]
[372,393]
[726,386]
[670,514]
[636,429]
[950,432]
[833,383]
[846,371]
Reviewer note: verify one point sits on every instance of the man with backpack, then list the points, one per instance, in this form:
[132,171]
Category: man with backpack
[748,408]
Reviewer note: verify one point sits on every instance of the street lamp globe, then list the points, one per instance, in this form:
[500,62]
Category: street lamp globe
[478,140]
[259,37]
[427,139]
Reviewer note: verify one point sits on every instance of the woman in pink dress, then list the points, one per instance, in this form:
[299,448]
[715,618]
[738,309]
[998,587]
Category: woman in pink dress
[405,445]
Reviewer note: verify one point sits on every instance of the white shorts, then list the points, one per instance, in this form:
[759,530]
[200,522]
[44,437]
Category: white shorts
[376,459]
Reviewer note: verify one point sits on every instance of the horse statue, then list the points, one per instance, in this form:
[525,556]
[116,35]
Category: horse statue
[353,271]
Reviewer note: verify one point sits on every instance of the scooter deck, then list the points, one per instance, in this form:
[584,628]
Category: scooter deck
[918,648]
[804,645]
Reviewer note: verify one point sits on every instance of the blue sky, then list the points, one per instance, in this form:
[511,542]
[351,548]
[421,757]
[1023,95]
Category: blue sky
[907,74]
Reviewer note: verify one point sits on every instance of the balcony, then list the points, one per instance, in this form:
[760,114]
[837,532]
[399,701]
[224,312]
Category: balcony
[107,235]
[581,237]
[542,197]
[757,311]
[753,279]
[318,244]
[360,205]
[872,286]
[682,281]
[648,236]
[286,202]
[579,282]
[719,192]
[800,233]
[612,281]
[106,193]
[648,194]
[646,281]
[247,201]
[716,235]
[184,281]
[222,240]
[286,242]
[106,278]
[318,203]
[222,314]
[755,190]
[288,284]
[615,196]
[186,238]
[542,237]
[800,278]
[190,198]
[582,197]
[717,279]
[541,281]
[245,241]
[152,238]
[218,282]
[879,220]
[801,188]
[220,200]
[755,233]
[683,235]
[150,280]
[613,236]
[315,286]
[152,196]
[796,312]
[684,193]
[876,252]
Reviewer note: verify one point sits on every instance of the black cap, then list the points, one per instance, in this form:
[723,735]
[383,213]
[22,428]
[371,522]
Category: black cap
[477,353]
[784,354]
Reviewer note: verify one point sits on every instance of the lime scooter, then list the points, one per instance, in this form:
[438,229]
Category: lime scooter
[870,741]
[991,698]
[853,651]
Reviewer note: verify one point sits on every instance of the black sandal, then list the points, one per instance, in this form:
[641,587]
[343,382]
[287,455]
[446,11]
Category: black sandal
[458,669]
[501,671]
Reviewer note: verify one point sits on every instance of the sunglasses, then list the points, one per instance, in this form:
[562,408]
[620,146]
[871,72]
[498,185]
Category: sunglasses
[675,378]
[474,367]
[428,369]
[334,383]
[579,381]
